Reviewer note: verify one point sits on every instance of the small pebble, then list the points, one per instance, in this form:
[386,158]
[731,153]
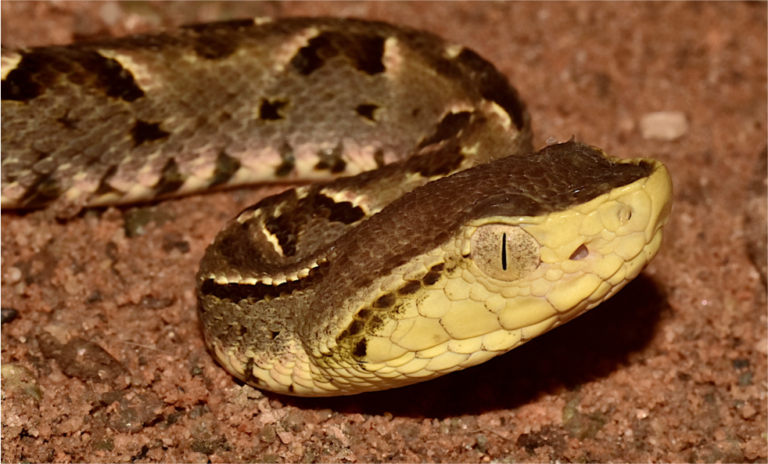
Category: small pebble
[110,13]
[13,275]
[72,286]
[748,411]
[21,381]
[9,314]
[663,125]
[761,346]
[22,240]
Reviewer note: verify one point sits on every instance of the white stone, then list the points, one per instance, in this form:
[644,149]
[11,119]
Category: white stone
[664,125]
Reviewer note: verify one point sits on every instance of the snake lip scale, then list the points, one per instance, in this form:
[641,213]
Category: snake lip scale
[433,237]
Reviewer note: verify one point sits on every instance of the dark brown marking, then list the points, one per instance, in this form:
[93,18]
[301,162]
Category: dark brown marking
[355,328]
[364,52]
[378,156]
[214,41]
[289,161]
[449,159]
[291,388]
[450,126]
[431,278]
[270,110]
[367,111]
[337,167]
[213,47]
[286,233]
[342,212]
[438,267]
[40,68]
[332,161]
[385,301]
[287,226]
[257,292]
[249,377]
[374,324]
[226,167]
[171,179]
[493,85]
[116,81]
[284,169]
[42,192]
[147,132]
[104,185]
[283,227]
[369,57]
[308,59]
[363,314]
[410,288]
[360,349]
[220,26]
[20,85]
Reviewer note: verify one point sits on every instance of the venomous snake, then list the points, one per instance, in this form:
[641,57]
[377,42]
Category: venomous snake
[433,240]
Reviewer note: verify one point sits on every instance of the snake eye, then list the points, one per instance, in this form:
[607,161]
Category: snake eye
[504,252]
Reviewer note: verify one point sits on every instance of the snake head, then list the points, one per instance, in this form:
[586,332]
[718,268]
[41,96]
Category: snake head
[532,242]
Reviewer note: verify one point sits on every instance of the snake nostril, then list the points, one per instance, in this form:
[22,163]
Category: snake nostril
[626,216]
[580,253]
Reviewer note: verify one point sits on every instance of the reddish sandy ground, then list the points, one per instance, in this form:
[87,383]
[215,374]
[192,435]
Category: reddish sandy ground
[103,358]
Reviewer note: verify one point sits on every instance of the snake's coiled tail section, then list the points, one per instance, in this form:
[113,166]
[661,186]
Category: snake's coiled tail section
[224,104]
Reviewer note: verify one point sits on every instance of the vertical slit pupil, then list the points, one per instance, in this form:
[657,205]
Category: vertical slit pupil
[504,251]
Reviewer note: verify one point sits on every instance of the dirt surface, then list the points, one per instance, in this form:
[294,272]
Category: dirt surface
[103,358]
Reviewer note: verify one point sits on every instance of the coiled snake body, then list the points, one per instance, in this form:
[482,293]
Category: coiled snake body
[446,243]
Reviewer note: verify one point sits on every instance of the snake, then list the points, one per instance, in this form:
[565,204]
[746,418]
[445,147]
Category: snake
[424,235]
